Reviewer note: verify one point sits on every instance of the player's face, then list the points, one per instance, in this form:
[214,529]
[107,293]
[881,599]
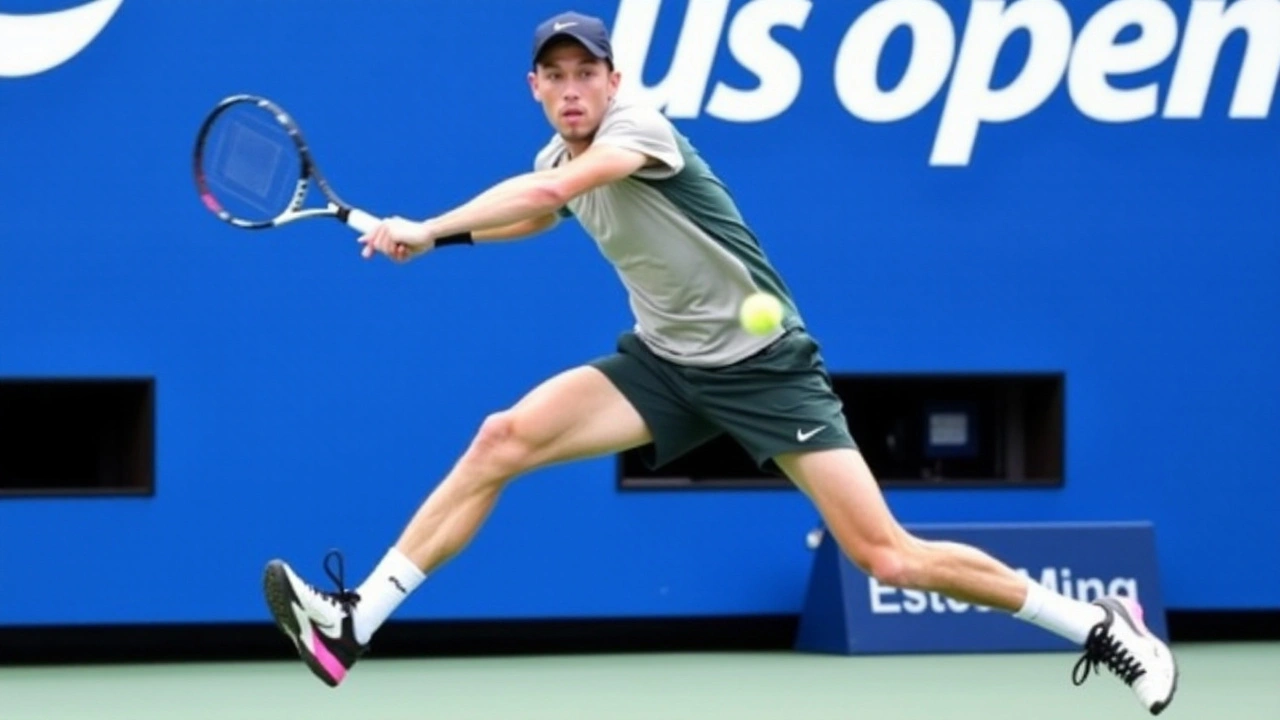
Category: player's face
[574,88]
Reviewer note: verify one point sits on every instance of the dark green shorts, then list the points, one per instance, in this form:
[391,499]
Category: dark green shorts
[777,401]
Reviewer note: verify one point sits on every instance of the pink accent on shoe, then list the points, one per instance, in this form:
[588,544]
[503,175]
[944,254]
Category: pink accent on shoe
[1135,610]
[327,660]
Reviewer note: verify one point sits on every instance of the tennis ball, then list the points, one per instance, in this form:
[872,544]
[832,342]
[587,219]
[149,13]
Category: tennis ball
[760,314]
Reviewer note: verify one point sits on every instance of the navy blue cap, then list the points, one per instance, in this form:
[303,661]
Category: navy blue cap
[588,30]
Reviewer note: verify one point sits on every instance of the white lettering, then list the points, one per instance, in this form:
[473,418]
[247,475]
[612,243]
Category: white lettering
[1126,587]
[1049,579]
[971,101]
[679,94]
[888,600]
[1090,589]
[1208,26]
[961,65]
[915,601]
[1097,55]
[879,604]
[754,48]
[933,44]
[36,42]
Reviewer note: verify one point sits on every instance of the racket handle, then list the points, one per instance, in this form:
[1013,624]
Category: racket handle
[362,221]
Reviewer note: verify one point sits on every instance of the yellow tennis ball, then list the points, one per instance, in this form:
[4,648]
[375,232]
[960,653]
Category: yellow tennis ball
[760,314]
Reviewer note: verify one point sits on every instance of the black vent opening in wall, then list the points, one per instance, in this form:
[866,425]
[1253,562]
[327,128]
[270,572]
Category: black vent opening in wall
[77,436]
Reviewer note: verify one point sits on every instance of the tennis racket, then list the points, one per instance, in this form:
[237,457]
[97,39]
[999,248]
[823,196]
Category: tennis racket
[253,169]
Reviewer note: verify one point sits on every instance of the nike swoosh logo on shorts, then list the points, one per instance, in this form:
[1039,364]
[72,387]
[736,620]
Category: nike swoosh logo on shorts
[803,435]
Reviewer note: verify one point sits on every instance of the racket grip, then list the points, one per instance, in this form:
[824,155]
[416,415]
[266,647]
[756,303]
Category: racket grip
[362,221]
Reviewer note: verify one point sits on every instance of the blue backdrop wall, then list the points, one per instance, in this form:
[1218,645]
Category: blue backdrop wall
[1108,210]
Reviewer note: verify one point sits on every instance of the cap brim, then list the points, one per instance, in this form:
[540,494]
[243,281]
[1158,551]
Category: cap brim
[591,47]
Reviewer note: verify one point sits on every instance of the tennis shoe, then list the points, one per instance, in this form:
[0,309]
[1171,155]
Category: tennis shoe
[1124,645]
[319,623]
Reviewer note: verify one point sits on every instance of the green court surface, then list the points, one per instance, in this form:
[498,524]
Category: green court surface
[1226,681]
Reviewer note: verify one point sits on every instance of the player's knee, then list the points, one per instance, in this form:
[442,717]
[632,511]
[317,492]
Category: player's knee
[503,447]
[891,564]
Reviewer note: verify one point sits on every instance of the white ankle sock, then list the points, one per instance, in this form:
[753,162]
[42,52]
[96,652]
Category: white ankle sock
[1072,619]
[381,593]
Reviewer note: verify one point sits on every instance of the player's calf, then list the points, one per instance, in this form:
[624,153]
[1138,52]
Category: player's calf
[502,450]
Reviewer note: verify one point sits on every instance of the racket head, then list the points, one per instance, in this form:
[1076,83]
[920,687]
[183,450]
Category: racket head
[251,164]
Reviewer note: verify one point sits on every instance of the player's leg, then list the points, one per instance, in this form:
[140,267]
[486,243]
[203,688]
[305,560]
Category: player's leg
[781,407]
[854,510]
[617,403]
[614,404]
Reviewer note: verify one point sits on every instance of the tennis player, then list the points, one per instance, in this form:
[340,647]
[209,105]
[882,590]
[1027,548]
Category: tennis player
[684,374]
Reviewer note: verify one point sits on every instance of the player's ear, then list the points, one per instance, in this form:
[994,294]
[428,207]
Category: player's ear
[615,81]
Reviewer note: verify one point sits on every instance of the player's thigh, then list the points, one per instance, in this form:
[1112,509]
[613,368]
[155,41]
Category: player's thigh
[778,402]
[575,414]
[796,425]
[662,397]
[842,487]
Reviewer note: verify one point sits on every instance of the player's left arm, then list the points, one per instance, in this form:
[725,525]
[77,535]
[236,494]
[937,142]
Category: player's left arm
[538,193]
[510,209]
[637,141]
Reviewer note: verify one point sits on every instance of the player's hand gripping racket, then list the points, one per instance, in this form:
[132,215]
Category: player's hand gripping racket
[253,169]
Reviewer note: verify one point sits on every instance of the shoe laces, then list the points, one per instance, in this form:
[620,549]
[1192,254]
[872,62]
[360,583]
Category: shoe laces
[342,597]
[1101,647]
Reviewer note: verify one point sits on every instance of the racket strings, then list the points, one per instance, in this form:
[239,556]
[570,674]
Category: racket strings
[251,165]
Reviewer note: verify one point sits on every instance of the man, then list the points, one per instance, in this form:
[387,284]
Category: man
[686,373]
